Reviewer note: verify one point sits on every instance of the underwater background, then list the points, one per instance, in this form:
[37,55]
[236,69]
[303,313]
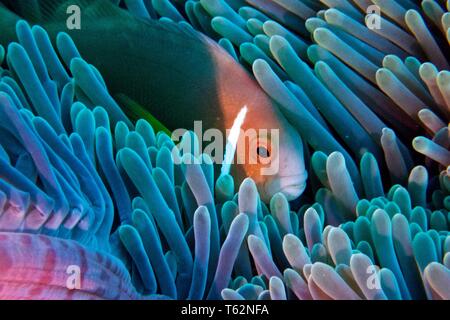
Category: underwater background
[89,182]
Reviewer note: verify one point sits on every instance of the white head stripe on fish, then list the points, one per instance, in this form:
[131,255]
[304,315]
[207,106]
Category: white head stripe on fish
[232,139]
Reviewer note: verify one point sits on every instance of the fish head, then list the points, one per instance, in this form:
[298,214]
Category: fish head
[269,150]
[273,157]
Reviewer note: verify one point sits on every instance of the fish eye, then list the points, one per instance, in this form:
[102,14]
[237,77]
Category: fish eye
[263,152]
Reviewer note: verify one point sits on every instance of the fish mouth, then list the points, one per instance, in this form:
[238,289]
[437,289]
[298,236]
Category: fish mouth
[291,186]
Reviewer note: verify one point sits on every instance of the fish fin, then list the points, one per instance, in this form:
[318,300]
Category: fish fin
[135,112]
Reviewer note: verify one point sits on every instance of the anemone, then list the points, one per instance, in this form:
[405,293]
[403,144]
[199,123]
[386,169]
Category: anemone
[82,185]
